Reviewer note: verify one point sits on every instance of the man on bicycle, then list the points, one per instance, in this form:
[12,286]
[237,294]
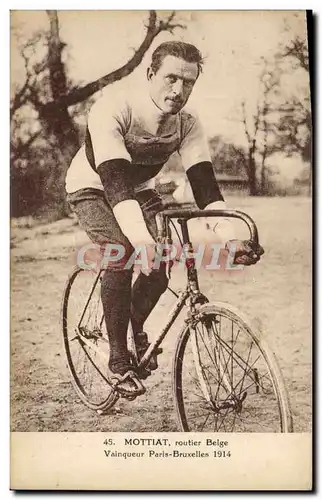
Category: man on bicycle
[130,136]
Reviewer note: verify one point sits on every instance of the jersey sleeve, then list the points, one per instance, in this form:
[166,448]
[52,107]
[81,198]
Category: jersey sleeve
[194,145]
[107,124]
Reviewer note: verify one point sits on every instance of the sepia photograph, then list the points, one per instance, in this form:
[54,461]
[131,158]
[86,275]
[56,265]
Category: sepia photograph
[161,226]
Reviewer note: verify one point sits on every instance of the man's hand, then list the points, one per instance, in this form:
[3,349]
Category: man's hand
[246,252]
[157,256]
[151,254]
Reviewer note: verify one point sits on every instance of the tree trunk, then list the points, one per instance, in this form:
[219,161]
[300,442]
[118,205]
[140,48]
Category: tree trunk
[263,186]
[263,179]
[252,177]
[253,191]
[55,117]
[65,141]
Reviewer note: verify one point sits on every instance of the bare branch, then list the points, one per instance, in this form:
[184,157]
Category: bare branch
[59,86]
[257,120]
[171,17]
[19,99]
[34,98]
[297,49]
[21,149]
[168,26]
[153,29]
[244,120]
[27,92]
[58,80]
[30,44]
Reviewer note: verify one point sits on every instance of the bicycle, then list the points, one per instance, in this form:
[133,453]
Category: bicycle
[225,376]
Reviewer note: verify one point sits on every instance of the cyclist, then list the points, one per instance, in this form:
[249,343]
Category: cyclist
[130,136]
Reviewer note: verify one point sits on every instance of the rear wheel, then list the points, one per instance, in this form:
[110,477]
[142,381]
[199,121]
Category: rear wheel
[226,379]
[85,340]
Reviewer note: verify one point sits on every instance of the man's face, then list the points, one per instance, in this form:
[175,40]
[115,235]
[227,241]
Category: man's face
[172,84]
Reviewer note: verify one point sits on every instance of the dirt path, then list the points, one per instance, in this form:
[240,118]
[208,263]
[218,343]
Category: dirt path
[278,291]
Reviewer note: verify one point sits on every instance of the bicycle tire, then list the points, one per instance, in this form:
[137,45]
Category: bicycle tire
[105,397]
[220,393]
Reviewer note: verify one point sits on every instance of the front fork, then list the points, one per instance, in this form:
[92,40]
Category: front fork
[221,367]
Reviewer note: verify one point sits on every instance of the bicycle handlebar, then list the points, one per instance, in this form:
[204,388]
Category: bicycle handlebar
[187,214]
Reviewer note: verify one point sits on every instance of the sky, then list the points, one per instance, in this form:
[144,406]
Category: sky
[232,43]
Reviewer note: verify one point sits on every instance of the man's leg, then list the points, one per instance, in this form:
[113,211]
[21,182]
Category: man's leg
[97,219]
[147,290]
[146,293]
[116,300]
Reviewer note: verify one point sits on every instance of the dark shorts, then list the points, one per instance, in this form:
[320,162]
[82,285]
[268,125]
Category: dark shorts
[96,216]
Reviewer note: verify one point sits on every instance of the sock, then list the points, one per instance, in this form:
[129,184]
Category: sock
[116,299]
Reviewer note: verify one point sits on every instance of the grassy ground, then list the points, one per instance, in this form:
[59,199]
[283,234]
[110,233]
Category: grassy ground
[277,291]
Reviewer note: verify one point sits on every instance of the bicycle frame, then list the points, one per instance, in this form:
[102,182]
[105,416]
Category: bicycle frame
[192,290]
[204,339]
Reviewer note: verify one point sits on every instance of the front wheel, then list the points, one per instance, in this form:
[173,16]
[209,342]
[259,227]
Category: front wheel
[226,378]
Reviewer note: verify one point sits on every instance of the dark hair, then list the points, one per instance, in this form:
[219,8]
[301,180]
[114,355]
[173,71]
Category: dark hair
[185,51]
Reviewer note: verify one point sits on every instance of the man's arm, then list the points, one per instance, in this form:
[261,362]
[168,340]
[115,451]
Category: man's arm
[196,160]
[118,186]
[106,128]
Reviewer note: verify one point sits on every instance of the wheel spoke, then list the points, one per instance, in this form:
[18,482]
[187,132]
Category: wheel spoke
[242,392]
[246,372]
[88,368]
[223,420]
[203,425]
[208,350]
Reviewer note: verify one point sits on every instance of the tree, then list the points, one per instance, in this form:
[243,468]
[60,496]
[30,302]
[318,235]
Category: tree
[227,158]
[281,120]
[257,126]
[294,127]
[293,130]
[297,51]
[49,94]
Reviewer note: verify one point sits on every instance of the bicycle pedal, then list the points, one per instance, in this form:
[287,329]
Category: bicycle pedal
[131,397]
[135,391]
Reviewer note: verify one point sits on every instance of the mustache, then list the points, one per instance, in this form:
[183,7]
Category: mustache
[174,99]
